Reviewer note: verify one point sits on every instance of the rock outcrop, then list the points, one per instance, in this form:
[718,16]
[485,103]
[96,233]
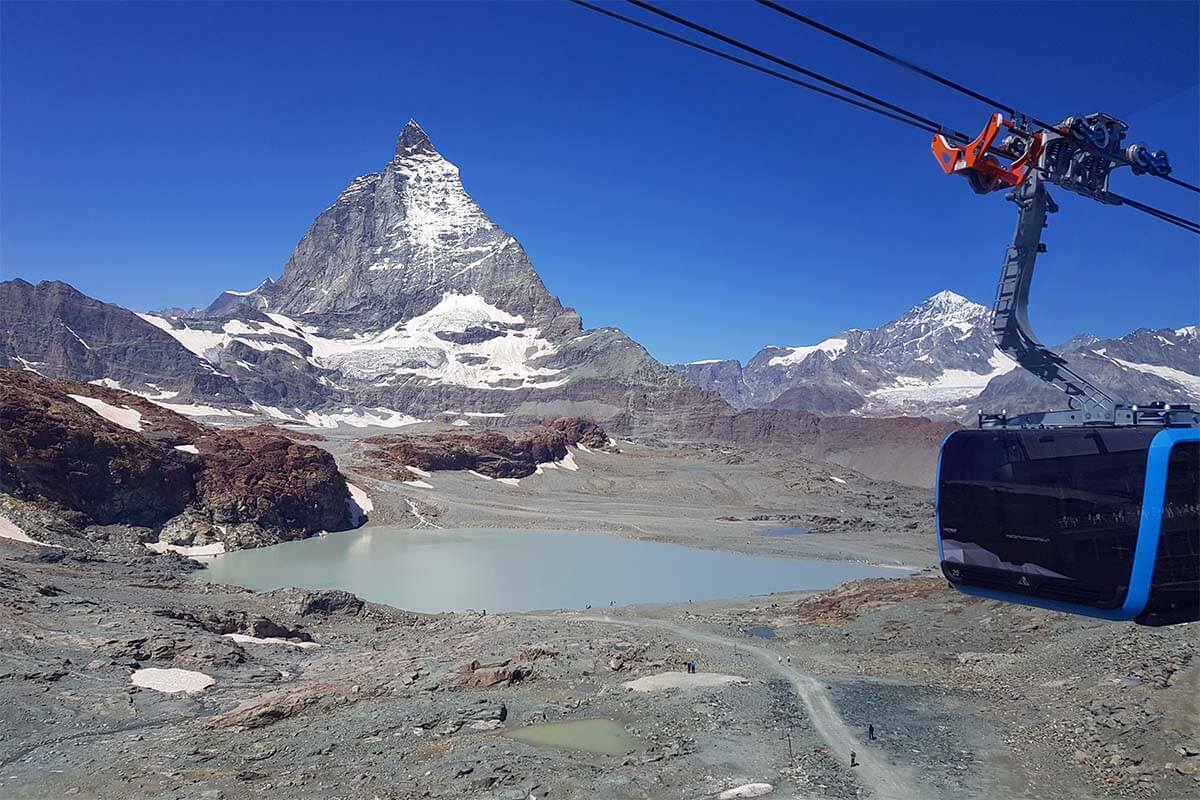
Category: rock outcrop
[489,453]
[101,456]
[282,488]
[56,448]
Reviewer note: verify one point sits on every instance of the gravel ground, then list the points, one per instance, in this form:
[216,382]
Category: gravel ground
[969,698]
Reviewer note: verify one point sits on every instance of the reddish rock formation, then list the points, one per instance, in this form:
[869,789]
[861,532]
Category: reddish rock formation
[288,490]
[487,452]
[261,486]
[580,431]
[473,674]
[54,447]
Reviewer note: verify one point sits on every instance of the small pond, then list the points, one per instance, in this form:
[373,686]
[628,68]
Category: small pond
[760,631]
[506,570]
[592,735]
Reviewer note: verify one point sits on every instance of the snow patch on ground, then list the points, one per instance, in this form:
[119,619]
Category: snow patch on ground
[509,481]
[418,484]
[681,680]
[188,448]
[952,384]
[836,479]
[28,366]
[359,503]
[421,518]
[795,355]
[361,418]
[1187,381]
[172,680]
[418,471]
[126,417]
[460,423]
[159,393]
[407,349]
[199,409]
[746,790]
[242,638]
[9,530]
[191,551]
[568,462]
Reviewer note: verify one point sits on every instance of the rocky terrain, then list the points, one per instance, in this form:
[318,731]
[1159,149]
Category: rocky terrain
[95,457]
[126,677]
[939,359]
[489,453]
[122,678]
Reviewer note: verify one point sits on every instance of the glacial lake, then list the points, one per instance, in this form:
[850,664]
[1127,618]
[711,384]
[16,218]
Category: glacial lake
[506,570]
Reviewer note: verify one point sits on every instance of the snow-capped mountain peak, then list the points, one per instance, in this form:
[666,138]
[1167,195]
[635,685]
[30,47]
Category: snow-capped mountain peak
[945,308]
[395,242]
[413,140]
[939,358]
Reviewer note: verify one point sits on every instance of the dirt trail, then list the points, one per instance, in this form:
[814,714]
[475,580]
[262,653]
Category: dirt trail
[886,781]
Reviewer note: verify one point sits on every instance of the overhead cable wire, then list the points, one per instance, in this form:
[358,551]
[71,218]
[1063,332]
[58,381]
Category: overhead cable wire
[756,67]
[991,101]
[1165,216]
[904,116]
[729,40]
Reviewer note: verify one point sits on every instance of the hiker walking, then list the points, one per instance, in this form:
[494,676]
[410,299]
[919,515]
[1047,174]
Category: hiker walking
[871,732]
[853,759]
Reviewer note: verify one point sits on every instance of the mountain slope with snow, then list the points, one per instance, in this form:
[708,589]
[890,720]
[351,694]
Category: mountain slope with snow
[402,301]
[938,359]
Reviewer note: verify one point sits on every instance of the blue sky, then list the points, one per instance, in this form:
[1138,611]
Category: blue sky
[155,154]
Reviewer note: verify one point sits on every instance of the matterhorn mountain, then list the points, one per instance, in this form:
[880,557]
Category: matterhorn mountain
[939,360]
[402,302]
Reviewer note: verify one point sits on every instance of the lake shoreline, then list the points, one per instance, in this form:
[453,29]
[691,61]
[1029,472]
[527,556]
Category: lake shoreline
[522,570]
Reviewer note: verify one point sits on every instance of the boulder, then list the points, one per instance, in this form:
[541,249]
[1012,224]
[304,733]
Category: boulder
[472,674]
[291,490]
[329,601]
[580,431]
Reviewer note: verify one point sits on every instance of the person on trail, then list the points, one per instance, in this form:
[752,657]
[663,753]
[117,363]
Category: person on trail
[853,759]
[789,659]
[871,732]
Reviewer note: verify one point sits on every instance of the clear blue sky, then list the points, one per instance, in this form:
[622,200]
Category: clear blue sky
[156,154]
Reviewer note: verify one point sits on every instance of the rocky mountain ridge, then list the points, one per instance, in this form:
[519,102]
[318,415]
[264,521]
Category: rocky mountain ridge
[402,302]
[94,456]
[938,359]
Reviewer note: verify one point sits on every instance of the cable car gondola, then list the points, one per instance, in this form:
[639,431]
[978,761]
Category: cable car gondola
[1094,510]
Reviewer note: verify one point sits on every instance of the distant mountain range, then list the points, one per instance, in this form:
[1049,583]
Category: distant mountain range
[404,302]
[939,360]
